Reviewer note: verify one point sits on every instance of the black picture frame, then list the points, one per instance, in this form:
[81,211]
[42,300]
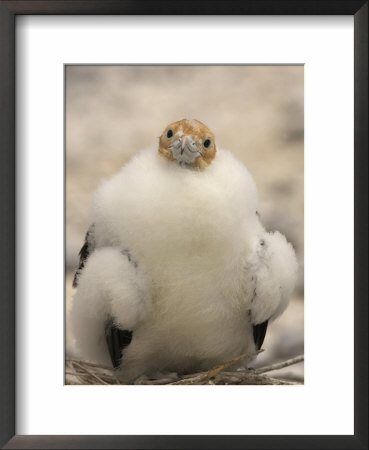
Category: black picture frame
[8,11]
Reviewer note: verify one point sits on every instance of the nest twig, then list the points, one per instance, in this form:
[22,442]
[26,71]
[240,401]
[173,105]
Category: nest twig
[85,373]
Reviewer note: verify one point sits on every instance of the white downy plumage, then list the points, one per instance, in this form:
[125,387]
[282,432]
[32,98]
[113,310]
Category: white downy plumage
[180,259]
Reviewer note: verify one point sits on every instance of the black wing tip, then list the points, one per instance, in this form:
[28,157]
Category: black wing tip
[259,333]
[83,254]
[75,280]
[117,340]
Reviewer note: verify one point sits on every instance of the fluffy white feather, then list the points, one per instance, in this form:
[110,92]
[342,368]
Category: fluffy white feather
[108,277]
[206,268]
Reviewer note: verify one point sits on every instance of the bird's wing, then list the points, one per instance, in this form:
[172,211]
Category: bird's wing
[259,329]
[259,333]
[87,248]
[272,275]
[117,340]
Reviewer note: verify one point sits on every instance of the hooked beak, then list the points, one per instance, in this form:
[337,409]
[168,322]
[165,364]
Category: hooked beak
[185,150]
[183,144]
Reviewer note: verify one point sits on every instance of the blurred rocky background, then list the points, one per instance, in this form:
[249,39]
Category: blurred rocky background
[112,112]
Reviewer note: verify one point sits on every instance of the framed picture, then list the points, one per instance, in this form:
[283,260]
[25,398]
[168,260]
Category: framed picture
[73,66]
[128,96]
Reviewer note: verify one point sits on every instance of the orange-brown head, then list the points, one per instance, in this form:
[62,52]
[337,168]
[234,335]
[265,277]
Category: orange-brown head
[189,143]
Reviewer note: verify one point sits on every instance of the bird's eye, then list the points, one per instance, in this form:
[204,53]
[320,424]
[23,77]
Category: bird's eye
[169,133]
[207,143]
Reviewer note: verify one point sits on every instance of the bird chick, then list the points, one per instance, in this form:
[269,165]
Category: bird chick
[177,272]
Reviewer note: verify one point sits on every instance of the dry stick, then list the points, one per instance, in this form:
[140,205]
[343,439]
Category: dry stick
[291,377]
[242,378]
[69,380]
[86,363]
[280,365]
[250,377]
[92,374]
[260,379]
[81,370]
[111,375]
[212,372]
[291,382]
[239,377]
[205,376]
[87,375]
[84,377]
[76,375]
[245,377]
[161,381]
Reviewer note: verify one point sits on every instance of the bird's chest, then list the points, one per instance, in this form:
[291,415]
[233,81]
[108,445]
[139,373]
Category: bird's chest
[198,320]
[195,291]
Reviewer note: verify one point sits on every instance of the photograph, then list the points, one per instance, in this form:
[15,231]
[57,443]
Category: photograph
[184,224]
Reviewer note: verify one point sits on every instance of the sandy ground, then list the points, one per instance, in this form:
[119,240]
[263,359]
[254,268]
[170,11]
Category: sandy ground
[112,112]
